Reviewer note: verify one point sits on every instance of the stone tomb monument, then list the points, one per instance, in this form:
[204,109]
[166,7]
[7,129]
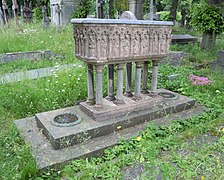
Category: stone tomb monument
[113,43]
[109,44]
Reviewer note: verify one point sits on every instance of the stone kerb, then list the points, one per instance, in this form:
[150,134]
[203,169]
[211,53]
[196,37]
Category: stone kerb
[31,55]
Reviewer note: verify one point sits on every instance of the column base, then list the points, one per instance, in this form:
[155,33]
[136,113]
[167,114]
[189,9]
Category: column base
[153,94]
[136,98]
[110,98]
[90,102]
[128,94]
[144,91]
[119,102]
[98,107]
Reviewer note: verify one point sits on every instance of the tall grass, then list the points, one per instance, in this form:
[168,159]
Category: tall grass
[34,37]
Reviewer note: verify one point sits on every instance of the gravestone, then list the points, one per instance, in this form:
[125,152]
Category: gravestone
[45,20]
[136,7]
[27,13]
[174,58]
[183,39]
[62,10]
[219,63]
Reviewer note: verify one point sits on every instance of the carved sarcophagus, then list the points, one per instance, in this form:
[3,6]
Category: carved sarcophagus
[109,41]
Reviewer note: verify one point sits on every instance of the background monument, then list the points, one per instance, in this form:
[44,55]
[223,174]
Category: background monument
[136,7]
[62,10]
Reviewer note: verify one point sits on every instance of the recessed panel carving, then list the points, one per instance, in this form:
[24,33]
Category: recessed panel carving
[108,42]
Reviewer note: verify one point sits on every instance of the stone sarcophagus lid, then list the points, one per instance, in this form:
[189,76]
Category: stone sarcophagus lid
[109,41]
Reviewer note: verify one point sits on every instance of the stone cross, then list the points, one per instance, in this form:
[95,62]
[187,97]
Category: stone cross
[151,10]
[44,20]
[99,9]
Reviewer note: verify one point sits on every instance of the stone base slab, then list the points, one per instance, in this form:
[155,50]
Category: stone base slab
[47,157]
[111,118]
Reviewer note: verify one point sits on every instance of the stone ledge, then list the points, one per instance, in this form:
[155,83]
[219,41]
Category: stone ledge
[31,55]
[47,157]
[96,123]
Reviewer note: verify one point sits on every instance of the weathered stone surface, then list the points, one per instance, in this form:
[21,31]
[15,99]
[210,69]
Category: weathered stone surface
[100,41]
[46,156]
[136,7]
[146,104]
[31,74]
[128,15]
[183,38]
[31,55]
[61,11]
[174,58]
[219,63]
[108,118]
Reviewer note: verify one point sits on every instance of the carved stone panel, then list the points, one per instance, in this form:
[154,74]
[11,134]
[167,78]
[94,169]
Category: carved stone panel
[108,43]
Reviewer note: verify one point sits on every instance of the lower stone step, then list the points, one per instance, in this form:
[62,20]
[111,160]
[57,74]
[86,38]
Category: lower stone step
[94,136]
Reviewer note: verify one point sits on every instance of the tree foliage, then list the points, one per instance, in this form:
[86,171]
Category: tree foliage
[207,18]
[121,5]
[83,9]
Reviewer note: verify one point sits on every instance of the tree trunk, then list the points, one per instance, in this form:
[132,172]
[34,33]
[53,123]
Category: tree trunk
[208,41]
[173,10]
[111,9]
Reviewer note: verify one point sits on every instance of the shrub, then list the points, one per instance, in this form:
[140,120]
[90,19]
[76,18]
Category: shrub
[165,15]
[37,13]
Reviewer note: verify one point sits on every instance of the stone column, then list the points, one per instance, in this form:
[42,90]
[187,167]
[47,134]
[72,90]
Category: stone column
[137,81]
[154,76]
[128,79]
[90,81]
[111,96]
[99,86]
[145,78]
[136,7]
[119,95]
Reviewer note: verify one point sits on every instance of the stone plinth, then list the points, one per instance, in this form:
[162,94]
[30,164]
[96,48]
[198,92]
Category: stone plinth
[99,41]
[106,121]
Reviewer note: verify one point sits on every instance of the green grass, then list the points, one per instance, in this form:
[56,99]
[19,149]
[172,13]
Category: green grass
[33,37]
[25,64]
[25,98]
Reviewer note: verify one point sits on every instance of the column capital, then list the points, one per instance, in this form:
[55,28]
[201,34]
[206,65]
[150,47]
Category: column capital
[90,67]
[138,64]
[99,68]
[120,66]
[155,62]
